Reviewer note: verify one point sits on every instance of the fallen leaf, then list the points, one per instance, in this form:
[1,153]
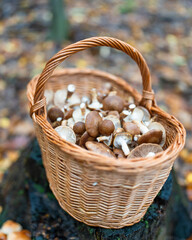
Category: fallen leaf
[4,122]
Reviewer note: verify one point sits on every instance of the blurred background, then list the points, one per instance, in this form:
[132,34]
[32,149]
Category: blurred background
[31,31]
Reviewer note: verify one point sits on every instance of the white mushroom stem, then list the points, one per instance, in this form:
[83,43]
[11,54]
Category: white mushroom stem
[85,100]
[83,109]
[96,105]
[124,147]
[103,138]
[142,127]
[70,90]
[150,154]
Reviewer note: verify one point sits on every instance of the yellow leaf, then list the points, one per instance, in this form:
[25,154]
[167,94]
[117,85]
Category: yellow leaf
[189,178]
[81,63]
[4,122]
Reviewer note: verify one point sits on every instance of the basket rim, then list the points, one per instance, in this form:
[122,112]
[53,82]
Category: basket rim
[105,162]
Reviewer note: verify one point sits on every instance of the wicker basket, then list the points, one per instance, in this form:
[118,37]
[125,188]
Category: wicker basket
[95,189]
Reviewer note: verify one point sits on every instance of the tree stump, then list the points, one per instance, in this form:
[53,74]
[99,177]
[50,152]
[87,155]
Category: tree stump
[26,198]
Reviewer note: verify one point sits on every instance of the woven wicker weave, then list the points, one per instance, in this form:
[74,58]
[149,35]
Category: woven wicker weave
[95,189]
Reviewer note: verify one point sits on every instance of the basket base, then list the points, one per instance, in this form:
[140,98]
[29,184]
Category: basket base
[42,214]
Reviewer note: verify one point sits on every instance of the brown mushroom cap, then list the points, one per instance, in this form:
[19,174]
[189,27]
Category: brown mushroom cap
[84,138]
[99,148]
[114,113]
[106,127]
[118,153]
[79,128]
[113,103]
[143,149]
[92,123]
[3,236]
[152,136]
[55,113]
[23,235]
[131,128]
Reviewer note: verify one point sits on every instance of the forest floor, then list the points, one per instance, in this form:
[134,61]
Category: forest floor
[160,30]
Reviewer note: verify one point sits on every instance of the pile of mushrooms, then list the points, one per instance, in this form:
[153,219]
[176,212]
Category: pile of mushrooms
[11,230]
[105,123]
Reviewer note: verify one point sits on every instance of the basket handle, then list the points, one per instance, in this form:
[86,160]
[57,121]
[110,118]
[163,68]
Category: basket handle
[148,94]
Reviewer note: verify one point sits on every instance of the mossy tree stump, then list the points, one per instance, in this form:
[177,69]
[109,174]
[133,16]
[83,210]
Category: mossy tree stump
[26,198]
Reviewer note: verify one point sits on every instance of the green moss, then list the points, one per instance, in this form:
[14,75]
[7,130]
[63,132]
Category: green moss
[21,192]
[50,195]
[39,188]
[146,224]
[91,230]
[128,6]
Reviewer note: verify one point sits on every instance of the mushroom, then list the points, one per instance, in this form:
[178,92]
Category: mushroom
[137,114]
[118,153]
[60,98]
[144,150]
[74,100]
[69,113]
[80,113]
[66,133]
[10,226]
[115,120]
[118,130]
[54,113]
[99,148]
[22,235]
[56,124]
[92,122]
[85,100]
[107,140]
[70,90]
[124,114]
[146,114]
[132,106]
[114,113]
[113,103]
[95,104]
[158,126]
[152,136]
[121,140]
[131,128]
[3,236]
[128,101]
[143,128]
[104,91]
[79,128]
[49,96]
[70,122]
[84,138]
[106,127]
